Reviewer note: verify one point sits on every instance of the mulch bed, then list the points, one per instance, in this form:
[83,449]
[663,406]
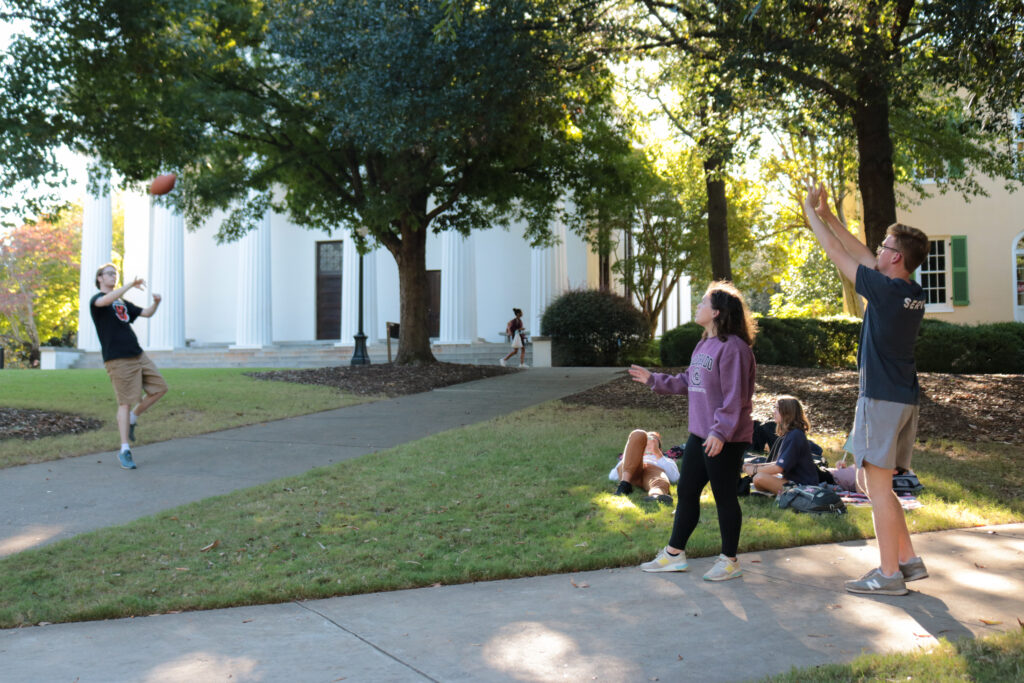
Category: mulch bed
[16,423]
[963,407]
[387,379]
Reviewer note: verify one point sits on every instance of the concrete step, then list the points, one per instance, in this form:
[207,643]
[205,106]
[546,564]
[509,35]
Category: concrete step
[294,355]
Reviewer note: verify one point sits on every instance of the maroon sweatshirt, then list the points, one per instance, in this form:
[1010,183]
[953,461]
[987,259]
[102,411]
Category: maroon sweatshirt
[720,389]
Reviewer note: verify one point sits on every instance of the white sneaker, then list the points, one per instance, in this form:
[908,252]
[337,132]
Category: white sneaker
[724,570]
[666,563]
[502,361]
[524,366]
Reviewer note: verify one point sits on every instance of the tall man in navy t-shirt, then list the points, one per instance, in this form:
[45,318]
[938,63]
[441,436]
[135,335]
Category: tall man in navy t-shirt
[131,371]
[885,424]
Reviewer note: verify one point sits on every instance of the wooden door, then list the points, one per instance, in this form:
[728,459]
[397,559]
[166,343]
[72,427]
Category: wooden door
[434,307]
[328,290]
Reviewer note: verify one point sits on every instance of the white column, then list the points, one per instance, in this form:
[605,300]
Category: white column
[253,322]
[137,211]
[549,278]
[458,289]
[167,277]
[97,231]
[369,295]
[350,294]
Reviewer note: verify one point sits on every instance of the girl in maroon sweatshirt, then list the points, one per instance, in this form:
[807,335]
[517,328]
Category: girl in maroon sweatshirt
[719,384]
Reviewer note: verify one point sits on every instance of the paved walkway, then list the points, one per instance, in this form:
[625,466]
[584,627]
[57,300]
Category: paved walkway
[610,625]
[54,500]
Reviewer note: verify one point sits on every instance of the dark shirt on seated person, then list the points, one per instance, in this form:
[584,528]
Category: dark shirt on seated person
[795,458]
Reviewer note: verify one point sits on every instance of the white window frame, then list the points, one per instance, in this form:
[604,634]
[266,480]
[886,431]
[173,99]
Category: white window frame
[1018,142]
[1018,310]
[945,306]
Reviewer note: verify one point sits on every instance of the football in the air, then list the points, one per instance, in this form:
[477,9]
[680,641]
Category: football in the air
[163,184]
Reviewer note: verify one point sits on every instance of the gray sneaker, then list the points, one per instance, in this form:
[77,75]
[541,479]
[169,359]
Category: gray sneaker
[913,569]
[876,583]
[724,569]
[666,563]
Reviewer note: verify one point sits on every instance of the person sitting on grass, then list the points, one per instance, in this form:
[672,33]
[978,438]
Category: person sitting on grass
[794,462]
[644,465]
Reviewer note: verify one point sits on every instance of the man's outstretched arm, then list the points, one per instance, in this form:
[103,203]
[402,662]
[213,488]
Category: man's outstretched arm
[842,248]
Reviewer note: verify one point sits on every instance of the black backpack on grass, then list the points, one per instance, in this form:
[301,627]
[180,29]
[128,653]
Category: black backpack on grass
[817,499]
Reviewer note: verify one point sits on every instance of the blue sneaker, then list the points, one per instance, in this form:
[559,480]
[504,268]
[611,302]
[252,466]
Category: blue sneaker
[126,460]
[131,432]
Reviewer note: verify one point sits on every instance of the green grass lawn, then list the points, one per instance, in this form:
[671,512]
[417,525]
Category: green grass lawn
[993,659]
[198,401]
[521,495]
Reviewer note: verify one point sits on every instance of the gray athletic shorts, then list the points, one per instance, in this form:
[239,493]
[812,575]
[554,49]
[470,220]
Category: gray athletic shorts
[883,433]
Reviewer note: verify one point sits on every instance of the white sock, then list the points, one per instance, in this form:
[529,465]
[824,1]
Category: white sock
[125,447]
[132,418]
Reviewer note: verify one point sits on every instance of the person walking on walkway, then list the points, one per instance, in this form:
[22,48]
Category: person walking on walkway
[720,389]
[885,421]
[516,329]
[131,371]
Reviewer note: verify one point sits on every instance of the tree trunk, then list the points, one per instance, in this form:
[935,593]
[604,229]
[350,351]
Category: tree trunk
[411,257]
[875,172]
[718,226]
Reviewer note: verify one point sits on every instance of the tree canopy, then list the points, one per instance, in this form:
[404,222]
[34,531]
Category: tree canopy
[338,112]
[928,82]
[39,284]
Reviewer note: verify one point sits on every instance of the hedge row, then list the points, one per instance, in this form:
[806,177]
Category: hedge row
[809,342]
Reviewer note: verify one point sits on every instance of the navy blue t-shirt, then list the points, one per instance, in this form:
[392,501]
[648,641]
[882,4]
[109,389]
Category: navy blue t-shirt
[113,327]
[892,320]
[795,458]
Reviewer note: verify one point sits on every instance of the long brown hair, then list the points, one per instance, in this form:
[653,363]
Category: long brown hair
[792,413]
[733,313]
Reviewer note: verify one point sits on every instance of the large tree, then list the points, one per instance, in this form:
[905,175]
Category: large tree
[340,112]
[931,81]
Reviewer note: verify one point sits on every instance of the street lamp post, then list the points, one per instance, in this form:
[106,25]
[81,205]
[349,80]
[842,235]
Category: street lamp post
[359,355]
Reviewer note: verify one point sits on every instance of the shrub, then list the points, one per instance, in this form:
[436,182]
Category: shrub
[807,342]
[801,342]
[589,327]
[832,343]
[992,347]
[677,344]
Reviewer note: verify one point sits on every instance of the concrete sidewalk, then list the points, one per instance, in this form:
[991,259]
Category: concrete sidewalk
[53,500]
[788,610]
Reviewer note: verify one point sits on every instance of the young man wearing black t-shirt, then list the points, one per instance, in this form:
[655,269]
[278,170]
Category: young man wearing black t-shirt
[131,371]
[885,424]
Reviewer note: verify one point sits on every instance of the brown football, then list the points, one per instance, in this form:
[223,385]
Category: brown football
[163,184]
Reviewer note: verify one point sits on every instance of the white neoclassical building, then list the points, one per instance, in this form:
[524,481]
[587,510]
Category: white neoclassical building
[282,284]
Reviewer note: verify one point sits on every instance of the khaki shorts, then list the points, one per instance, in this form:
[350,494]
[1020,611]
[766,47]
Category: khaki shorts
[883,433]
[133,376]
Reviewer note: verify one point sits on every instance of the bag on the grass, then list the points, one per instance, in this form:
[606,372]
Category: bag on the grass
[743,486]
[805,498]
[906,483]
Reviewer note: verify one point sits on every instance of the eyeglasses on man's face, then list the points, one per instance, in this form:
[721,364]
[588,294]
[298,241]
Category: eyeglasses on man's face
[109,272]
[880,247]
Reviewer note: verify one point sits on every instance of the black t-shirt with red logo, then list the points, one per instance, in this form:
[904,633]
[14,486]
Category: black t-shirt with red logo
[113,327]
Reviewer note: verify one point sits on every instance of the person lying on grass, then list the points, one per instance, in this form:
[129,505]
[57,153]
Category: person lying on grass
[794,462]
[644,465]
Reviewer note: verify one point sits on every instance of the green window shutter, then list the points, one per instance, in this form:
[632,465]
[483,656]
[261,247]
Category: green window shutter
[958,245]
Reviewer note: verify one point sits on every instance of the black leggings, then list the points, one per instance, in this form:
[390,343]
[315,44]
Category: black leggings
[723,471]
